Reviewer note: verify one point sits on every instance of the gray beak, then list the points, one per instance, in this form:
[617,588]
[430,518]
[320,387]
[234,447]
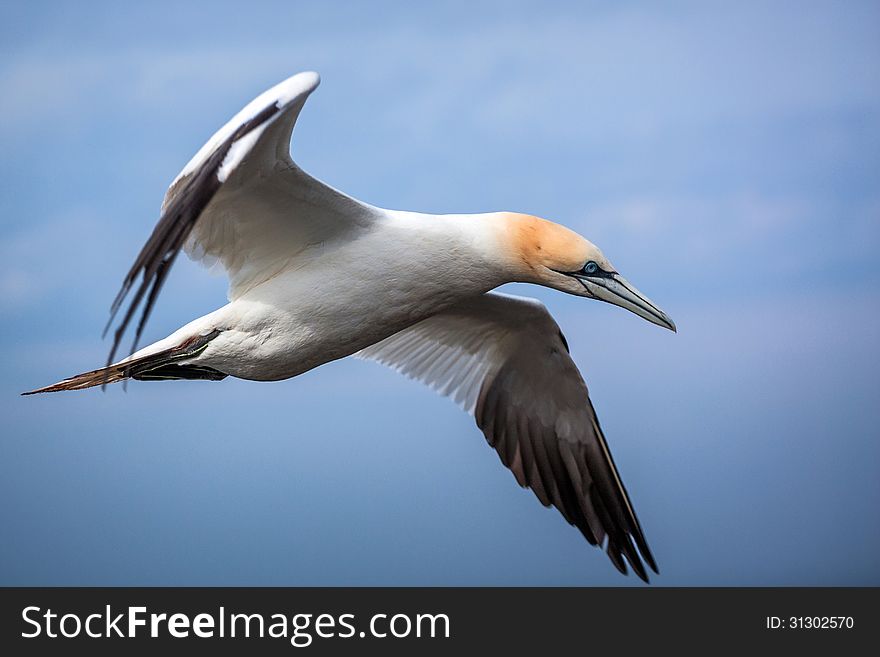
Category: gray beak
[615,289]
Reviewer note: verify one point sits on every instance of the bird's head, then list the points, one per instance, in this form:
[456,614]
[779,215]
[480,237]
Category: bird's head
[554,256]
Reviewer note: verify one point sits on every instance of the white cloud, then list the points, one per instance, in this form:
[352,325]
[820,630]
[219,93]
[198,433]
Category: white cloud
[634,72]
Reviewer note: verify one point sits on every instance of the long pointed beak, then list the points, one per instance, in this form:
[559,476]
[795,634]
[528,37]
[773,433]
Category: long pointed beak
[617,290]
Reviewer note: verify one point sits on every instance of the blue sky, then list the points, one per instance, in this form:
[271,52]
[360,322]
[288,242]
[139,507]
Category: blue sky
[726,157]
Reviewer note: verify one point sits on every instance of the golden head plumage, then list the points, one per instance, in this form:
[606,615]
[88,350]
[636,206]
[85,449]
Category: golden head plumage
[546,253]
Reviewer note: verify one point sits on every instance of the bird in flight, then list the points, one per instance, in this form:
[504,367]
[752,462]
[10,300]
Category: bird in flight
[316,275]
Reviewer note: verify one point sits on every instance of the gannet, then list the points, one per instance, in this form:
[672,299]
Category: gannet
[316,275]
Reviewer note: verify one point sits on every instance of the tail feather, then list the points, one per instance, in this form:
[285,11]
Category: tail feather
[161,365]
[102,376]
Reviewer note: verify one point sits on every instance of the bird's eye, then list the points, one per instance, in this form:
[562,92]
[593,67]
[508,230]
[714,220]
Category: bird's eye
[591,267]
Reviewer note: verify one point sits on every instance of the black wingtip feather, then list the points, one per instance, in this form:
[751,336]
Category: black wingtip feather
[577,483]
[174,226]
[614,554]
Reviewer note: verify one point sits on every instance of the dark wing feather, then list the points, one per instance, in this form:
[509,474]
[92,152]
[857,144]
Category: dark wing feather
[575,473]
[529,399]
[191,197]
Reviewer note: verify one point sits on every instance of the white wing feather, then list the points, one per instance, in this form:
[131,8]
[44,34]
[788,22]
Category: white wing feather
[243,202]
[266,210]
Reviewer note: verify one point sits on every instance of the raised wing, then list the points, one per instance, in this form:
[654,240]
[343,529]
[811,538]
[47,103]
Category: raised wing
[505,361]
[241,201]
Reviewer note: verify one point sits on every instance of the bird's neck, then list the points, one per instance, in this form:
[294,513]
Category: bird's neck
[472,246]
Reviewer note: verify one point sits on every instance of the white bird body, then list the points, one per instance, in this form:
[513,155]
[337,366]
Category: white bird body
[316,275]
[345,295]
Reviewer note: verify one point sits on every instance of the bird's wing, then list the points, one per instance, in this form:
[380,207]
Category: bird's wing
[505,361]
[242,202]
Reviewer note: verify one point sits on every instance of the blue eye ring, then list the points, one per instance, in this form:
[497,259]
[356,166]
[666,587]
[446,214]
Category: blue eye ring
[591,267]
